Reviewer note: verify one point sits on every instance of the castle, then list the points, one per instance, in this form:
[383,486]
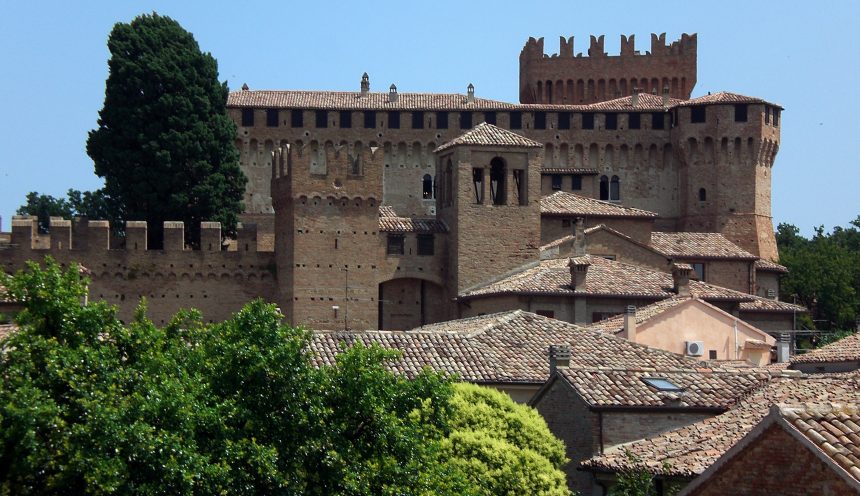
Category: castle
[390,210]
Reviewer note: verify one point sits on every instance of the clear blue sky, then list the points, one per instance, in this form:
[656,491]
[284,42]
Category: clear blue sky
[804,56]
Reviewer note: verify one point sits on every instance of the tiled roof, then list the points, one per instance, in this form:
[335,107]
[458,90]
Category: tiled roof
[688,451]
[768,266]
[615,324]
[846,349]
[604,278]
[761,304]
[351,100]
[568,170]
[833,428]
[722,97]
[485,134]
[389,221]
[570,204]
[698,245]
[511,347]
[645,102]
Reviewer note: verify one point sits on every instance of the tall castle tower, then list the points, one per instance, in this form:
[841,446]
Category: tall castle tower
[570,79]
[326,200]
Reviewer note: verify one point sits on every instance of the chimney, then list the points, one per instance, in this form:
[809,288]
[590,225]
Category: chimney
[245,87]
[783,348]
[470,93]
[365,84]
[666,95]
[392,93]
[681,278]
[579,237]
[578,271]
[559,357]
[634,97]
[630,323]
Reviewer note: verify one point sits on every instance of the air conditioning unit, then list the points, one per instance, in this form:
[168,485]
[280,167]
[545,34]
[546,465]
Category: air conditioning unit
[694,348]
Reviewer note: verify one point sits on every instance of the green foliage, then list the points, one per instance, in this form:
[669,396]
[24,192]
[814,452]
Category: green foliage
[164,144]
[90,204]
[635,480]
[502,447]
[91,406]
[824,273]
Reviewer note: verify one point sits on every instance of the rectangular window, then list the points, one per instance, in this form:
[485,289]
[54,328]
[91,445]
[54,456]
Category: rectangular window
[741,112]
[441,120]
[712,354]
[297,118]
[611,121]
[345,119]
[369,119]
[247,117]
[465,120]
[564,120]
[321,117]
[271,117]
[540,120]
[767,115]
[546,313]
[417,120]
[775,117]
[395,244]
[634,121]
[425,245]
[556,181]
[490,118]
[516,120]
[699,269]
[697,114]
[587,120]
[577,183]
[394,120]
[657,120]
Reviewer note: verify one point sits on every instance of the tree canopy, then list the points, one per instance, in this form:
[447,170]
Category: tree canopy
[824,273]
[89,405]
[90,204]
[164,142]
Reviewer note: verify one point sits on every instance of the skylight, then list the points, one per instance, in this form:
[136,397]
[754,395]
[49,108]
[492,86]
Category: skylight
[661,384]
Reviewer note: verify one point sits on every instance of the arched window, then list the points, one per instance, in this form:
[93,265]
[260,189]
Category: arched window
[604,188]
[497,181]
[615,189]
[427,187]
[703,195]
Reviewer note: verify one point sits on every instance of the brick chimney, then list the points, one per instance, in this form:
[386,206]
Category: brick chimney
[365,84]
[634,97]
[681,278]
[666,96]
[630,323]
[579,237]
[578,271]
[470,93]
[392,93]
[559,357]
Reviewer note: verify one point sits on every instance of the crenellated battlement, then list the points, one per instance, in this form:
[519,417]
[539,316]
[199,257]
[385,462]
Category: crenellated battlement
[569,77]
[93,236]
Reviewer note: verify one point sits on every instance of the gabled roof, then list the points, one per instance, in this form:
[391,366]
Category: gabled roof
[507,347]
[352,100]
[705,245]
[830,431]
[573,205]
[485,134]
[688,451]
[723,97]
[762,265]
[846,349]
[389,221]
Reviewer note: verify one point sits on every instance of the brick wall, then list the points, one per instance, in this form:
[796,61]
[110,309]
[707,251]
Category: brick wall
[624,427]
[774,463]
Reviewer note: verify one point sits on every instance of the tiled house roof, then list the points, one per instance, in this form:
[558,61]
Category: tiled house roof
[722,97]
[832,428]
[573,205]
[846,349]
[508,347]
[688,451]
[615,324]
[351,100]
[698,245]
[768,266]
[389,221]
[644,102]
[485,134]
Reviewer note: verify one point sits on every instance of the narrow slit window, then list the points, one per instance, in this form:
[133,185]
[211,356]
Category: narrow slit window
[604,188]
[427,187]
[703,195]
[497,181]
[615,189]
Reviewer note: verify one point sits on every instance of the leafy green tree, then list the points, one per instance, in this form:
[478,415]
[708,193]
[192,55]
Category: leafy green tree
[89,405]
[90,204]
[164,144]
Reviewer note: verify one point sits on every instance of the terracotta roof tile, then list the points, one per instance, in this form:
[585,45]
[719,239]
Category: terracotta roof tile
[389,221]
[485,134]
[833,427]
[570,204]
[615,324]
[722,97]
[645,102]
[688,451]
[698,245]
[338,100]
[846,349]
[768,266]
